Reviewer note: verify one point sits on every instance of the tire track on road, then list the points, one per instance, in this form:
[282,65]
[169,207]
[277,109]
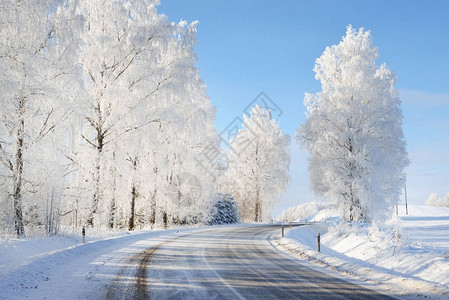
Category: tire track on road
[139,288]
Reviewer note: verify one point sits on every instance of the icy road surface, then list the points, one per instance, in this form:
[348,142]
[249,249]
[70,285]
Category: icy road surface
[227,263]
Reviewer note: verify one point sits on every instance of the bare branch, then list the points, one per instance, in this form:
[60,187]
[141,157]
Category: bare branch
[4,158]
[87,140]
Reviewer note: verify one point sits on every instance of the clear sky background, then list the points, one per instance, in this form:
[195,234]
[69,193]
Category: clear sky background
[249,46]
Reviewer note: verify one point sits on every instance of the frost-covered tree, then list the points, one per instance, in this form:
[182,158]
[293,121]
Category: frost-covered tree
[259,162]
[122,42]
[145,112]
[434,200]
[34,55]
[102,110]
[186,128]
[446,200]
[353,130]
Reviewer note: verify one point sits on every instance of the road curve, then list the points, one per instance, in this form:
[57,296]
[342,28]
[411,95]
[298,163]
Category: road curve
[228,263]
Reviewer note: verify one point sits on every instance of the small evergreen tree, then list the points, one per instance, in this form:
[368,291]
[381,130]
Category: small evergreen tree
[225,210]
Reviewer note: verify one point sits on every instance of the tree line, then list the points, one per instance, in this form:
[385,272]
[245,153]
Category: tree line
[105,122]
[101,107]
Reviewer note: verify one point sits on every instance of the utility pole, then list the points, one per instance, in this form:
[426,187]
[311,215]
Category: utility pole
[405,194]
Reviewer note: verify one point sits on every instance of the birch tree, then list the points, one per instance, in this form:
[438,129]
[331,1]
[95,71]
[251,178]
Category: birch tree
[186,128]
[144,100]
[353,130]
[32,58]
[258,172]
[121,41]
[104,99]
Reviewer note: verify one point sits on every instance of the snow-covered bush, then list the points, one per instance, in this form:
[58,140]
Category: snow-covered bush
[225,210]
[433,200]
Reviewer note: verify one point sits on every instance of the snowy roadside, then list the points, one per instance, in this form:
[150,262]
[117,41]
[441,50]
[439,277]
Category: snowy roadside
[409,259]
[16,253]
[61,267]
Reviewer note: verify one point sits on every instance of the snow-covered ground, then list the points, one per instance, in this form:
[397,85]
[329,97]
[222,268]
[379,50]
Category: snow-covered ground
[61,267]
[409,256]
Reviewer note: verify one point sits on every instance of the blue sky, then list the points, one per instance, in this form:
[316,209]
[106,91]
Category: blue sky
[249,46]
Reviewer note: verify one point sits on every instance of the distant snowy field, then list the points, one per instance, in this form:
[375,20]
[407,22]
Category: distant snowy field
[409,255]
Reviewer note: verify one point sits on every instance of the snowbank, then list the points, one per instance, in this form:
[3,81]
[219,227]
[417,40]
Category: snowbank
[16,252]
[409,256]
[310,211]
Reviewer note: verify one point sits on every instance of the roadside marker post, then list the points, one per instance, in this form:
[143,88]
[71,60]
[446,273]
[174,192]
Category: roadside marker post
[84,234]
[282,230]
[319,241]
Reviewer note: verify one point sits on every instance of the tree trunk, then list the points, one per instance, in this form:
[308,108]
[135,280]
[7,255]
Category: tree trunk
[133,205]
[258,206]
[97,174]
[17,196]
[96,197]
[356,212]
[113,206]
[153,209]
[165,219]
[18,172]
[49,215]
[355,208]
[112,210]
[153,198]
[133,195]
[256,211]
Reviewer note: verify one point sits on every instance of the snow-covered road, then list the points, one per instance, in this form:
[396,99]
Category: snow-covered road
[230,262]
